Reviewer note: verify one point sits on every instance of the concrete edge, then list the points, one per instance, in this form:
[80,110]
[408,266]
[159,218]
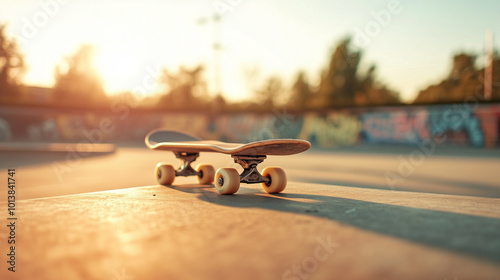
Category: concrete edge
[57,147]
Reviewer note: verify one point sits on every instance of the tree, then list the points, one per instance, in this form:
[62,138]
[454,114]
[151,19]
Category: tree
[339,82]
[77,81]
[268,94]
[464,82]
[185,89]
[495,93]
[218,104]
[12,66]
[342,84]
[301,93]
[373,92]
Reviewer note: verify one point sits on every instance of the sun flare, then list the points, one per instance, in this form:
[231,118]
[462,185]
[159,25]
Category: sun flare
[118,69]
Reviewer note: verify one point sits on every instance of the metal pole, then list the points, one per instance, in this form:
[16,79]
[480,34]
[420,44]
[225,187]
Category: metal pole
[217,55]
[216,46]
[488,69]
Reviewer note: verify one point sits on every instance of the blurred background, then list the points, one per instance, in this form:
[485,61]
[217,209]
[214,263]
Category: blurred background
[338,73]
[400,100]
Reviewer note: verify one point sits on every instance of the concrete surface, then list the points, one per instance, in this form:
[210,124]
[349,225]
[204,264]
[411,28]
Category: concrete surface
[311,232]
[339,218]
[51,174]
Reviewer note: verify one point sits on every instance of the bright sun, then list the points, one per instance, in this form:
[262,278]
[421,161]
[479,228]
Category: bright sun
[118,68]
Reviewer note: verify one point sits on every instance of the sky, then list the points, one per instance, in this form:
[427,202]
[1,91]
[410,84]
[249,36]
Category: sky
[411,42]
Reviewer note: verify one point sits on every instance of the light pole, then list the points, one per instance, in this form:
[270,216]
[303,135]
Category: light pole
[217,48]
[488,68]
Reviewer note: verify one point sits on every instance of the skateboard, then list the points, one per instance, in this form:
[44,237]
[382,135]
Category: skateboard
[227,180]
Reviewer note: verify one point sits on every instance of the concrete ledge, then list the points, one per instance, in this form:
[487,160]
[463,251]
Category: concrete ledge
[57,147]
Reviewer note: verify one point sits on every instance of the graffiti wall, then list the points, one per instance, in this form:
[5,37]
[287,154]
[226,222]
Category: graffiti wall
[459,125]
[404,127]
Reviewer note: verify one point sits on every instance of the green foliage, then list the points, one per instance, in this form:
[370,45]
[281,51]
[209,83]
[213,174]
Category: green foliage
[342,85]
[184,90]
[339,82]
[465,82]
[301,93]
[267,95]
[12,67]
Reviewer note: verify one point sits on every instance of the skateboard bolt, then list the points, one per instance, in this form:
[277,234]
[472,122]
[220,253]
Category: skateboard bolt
[159,174]
[220,181]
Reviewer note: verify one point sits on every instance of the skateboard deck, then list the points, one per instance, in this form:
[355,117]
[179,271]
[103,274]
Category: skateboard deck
[180,142]
[227,180]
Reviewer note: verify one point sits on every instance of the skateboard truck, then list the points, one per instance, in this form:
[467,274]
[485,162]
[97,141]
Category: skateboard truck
[166,173]
[250,174]
[186,169]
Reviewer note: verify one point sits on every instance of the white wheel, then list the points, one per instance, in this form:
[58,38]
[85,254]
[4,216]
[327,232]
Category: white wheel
[207,174]
[277,177]
[165,173]
[227,180]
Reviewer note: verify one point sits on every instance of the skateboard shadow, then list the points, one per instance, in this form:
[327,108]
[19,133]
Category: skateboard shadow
[467,234]
[453,186]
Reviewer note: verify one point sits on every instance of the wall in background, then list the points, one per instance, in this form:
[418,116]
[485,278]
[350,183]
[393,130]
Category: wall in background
[460,125]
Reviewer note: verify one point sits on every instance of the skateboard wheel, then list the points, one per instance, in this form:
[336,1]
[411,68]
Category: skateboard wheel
[227,180]
[277,177]
[207,173]
[165,173]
